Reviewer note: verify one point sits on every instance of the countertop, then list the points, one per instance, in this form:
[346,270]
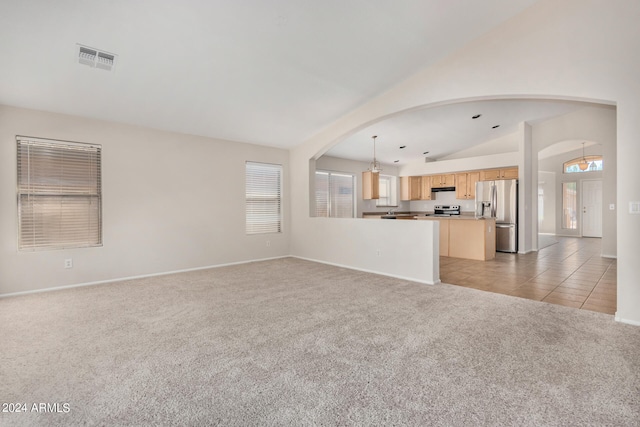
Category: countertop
[426,215]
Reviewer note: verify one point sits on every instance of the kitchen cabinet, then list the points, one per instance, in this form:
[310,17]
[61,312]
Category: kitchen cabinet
[466,185]
[425,194]
[467,238]
[492,174]
[370,185]
[472,239]
[410,187]
[439,181]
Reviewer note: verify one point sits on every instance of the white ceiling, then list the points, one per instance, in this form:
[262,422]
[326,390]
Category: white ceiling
[447,129]
[267,72]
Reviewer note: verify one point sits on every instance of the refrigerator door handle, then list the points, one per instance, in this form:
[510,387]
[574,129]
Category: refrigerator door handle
[494,200]
[505,225]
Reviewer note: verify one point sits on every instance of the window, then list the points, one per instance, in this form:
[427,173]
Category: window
[263,193]
[388,193]
[569,205]
[573,166]
[335,195]
[59,194]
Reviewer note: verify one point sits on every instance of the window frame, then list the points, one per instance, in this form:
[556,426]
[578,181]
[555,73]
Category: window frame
[393,191]
[330,197]
[566,209]
[265,226]
[51,211]
[575,162]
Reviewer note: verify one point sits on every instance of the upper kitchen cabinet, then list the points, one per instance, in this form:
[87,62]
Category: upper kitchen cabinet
[466,185]
[370,185]
[439,181]
[410,187]
[491,174]
[426,188]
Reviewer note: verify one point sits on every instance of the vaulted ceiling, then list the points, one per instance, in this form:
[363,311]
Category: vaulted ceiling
[266,72]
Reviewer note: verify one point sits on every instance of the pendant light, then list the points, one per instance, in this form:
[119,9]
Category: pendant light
[374,166]
[371,177]
[583,165]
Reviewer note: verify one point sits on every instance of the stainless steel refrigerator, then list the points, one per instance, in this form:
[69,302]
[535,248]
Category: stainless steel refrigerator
[499,199]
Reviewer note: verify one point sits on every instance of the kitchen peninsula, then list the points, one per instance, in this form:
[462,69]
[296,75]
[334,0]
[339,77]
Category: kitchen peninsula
[461,236]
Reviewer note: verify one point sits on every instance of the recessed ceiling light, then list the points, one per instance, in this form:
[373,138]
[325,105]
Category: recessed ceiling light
[477,116]
[403,146]
[494,127]
[396,161]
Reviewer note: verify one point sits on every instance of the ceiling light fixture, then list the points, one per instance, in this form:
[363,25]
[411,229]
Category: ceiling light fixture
[495,127]
[403,146]
[426,152]
[477,116]
[396,161]
[583,165]
[374,166]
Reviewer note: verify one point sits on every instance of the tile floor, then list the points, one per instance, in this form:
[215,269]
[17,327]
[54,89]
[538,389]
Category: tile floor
[570,272]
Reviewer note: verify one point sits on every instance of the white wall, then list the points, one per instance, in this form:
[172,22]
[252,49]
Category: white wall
[443,198]
[573,49]
[404,249]
[547,182]
[505,144]
[170,202]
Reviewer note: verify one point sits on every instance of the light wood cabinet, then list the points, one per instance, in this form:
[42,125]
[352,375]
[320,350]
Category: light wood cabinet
[509,173]
[466,238]
[425,194]
[410,187]
[466,185]
[492,174]
[472,239]
[370,185]
[446,180]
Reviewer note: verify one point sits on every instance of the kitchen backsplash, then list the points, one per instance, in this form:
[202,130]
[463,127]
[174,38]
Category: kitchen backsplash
[442,198]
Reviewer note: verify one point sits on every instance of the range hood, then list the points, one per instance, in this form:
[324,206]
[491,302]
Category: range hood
[439,189]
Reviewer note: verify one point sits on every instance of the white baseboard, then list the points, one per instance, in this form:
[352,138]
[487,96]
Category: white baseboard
[609,256]
[627,321]
[412,279]
[141,276]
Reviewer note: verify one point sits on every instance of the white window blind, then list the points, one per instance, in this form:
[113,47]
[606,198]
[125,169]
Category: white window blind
[335,194]
[59,194]
[263,198]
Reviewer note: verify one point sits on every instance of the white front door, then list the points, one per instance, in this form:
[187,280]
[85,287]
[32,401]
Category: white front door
[592,208]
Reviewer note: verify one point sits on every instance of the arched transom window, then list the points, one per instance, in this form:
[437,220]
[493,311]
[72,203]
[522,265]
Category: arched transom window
[583,164]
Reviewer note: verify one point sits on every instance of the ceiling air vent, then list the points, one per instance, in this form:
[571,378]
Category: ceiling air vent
[95,58]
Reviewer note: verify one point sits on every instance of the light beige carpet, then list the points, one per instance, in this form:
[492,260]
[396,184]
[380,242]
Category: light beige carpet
[291,342]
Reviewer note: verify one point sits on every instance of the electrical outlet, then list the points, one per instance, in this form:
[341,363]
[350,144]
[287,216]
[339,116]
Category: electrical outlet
[68,263]
[378,252]
[268,243]
[612,207]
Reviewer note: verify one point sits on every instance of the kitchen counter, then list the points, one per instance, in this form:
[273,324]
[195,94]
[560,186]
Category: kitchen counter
[466,236]
[461,236]
[418,215]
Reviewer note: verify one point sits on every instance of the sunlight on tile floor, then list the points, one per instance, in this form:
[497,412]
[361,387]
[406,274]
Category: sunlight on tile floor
[570,272]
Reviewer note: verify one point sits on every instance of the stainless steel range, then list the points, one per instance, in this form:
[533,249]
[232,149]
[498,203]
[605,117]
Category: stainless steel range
[446,210]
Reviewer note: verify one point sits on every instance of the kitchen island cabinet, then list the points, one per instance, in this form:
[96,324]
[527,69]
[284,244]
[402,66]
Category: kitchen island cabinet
[466,237]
